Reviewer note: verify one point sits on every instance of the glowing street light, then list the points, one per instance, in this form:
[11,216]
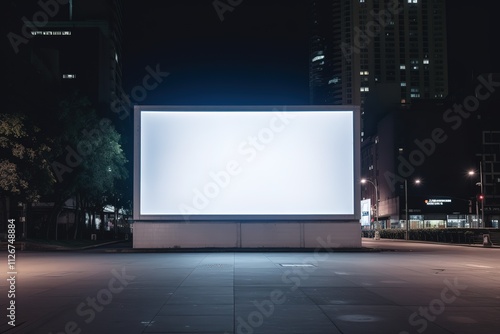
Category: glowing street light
[407,234]
[481,196]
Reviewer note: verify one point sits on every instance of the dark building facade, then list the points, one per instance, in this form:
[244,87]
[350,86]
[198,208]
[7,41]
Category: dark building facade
[438,142]
[331,74]
[54,49]
[394,55]
[68,47]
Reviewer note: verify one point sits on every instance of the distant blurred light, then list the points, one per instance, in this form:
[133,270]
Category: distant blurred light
[334,80]
[318,58]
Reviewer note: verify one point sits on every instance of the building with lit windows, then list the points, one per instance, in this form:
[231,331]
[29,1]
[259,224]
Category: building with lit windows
[357,45]
[384,56]
[332,76]
[56,48]
[457,163]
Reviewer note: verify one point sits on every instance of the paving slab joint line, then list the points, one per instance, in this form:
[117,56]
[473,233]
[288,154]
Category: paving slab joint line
[241,250]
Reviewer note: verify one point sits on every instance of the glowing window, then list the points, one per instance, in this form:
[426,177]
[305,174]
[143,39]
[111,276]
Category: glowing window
[318,58]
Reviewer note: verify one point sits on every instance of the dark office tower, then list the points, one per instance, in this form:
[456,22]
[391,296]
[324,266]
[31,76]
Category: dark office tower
[419,39]
[321,58]
[377,45]
[383,55]
[75,47]
[331,75]
[106,16]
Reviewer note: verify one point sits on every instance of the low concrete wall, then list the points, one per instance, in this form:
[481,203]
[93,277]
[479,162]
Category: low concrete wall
[247,235]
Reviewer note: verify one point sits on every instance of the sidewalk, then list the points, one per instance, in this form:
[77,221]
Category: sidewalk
[428,288]
[38,246]
[381,240]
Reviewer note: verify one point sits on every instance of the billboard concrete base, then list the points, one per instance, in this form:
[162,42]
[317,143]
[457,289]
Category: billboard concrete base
[326,234]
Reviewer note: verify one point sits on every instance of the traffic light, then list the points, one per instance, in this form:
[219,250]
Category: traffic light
[480,197]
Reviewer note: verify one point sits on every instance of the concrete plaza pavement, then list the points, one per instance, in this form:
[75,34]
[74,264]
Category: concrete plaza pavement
[403,288]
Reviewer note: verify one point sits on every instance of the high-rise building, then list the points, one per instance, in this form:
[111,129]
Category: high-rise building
[357,45]
[332,76]
[383,55]
[53,49]
[485,128]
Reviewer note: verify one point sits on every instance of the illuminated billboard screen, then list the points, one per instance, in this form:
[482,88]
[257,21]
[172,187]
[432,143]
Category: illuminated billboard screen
[366,208]
[207,163]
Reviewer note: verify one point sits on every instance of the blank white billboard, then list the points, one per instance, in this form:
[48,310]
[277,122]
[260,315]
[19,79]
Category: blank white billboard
[246,162]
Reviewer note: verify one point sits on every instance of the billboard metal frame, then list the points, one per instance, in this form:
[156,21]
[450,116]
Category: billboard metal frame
[138,217]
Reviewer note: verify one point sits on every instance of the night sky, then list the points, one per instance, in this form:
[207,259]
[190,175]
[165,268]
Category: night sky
[259,53]
[473,34]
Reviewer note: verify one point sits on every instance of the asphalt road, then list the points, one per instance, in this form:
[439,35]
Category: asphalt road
[403,288]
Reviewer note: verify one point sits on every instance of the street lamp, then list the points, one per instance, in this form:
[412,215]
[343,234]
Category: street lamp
[482,190]
[363,181]
[407,234]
